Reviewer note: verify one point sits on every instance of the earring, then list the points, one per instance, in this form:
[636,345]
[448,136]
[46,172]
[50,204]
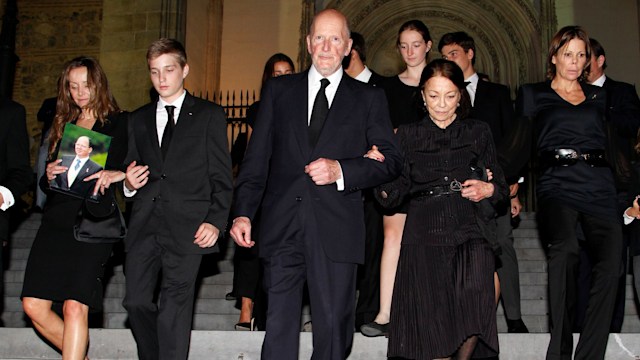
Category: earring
[458,104]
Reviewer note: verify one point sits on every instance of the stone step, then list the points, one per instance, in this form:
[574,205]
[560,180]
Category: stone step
[245,345]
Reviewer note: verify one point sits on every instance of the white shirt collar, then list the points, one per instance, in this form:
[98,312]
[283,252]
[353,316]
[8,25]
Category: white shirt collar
[314,78]
[600,81]
[364,75]
[177,103]
[473,79]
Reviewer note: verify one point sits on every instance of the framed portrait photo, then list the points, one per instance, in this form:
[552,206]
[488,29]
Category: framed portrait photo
[83,152]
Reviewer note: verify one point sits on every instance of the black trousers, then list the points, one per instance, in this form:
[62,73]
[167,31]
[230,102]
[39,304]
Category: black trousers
[331,286]
[162,329]
[603,242]
[369,273]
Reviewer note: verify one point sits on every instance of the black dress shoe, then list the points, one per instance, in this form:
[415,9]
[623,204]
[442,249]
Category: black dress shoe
[230,296]
[516,327]
[374,329]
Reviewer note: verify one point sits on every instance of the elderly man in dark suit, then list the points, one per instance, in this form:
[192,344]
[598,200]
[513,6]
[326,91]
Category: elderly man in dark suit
[491,103]
[180,181]
[305,164]
[79,166]
[15,171]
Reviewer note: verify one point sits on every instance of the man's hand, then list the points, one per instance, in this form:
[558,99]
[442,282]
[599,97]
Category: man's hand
[476,190]
[241,232]
[516,207]
[206,236]
[137,176]
[323,171]
[54,169]
[105,179]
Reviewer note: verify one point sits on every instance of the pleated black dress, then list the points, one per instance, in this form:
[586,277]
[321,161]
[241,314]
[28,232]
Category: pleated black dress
[444,291]
[59,267]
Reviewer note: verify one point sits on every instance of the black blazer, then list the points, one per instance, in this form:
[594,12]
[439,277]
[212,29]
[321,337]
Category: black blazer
[193,183]
[493,105]
[623,110]
[15,169]
[279,149]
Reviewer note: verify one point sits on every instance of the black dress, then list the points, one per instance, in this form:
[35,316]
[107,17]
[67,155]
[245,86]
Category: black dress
[59,267]
[444,291]
[405,101]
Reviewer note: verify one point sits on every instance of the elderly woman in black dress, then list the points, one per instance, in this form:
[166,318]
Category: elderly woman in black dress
[443,299]
[61,269]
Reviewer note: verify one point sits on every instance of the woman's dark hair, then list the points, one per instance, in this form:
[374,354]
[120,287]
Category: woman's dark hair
[102,101]
[268,67]
[450,70]
[560,39]
[415,25]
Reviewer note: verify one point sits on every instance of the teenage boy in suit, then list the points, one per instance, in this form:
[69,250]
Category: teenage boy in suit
[180,181]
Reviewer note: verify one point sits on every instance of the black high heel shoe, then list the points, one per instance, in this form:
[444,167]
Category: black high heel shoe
[246,326]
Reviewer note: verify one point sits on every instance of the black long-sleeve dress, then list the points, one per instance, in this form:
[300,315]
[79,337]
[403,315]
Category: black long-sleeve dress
[60,267]
[444,291]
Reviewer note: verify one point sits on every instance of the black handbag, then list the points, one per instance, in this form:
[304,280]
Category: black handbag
[100,222]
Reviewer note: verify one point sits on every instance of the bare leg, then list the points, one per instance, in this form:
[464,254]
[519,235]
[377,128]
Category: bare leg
[46,322]
[76,330]
[466,350]
[496,286]
[393,228]
[246,310]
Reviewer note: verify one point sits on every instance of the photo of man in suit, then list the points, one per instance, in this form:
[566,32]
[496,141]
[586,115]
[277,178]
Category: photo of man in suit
[492,104]
[305,165]
[79,166]
[15,171]
[179,178]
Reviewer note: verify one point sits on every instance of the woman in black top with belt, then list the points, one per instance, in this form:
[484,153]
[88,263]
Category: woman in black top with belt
[575,187]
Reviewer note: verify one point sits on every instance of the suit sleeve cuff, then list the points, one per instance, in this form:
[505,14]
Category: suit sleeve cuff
[340,181]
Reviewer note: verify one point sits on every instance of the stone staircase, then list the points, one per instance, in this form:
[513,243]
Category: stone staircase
[213,312]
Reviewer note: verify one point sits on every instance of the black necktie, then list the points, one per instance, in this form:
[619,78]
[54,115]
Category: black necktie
[168,130]
[319,113]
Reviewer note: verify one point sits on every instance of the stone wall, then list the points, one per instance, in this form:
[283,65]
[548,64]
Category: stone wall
[49,33]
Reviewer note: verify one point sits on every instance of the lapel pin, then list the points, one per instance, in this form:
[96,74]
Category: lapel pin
[191,113]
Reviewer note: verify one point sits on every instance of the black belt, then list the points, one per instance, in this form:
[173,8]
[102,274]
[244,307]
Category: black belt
[568,157]
[435,191]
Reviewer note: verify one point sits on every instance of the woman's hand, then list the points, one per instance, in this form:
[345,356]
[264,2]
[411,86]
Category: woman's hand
[634,211]
[476,190]
[105,179]
[374,154]
[54,169]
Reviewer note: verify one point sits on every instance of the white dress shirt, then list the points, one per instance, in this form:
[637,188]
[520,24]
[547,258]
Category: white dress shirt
[364,75]
[9,200]
[600,81]
[73,170]
[162,117]
[472,86]
[314,78]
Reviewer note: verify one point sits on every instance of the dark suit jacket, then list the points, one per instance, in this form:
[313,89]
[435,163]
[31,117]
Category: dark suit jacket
[375,78]
[623,110]
[279,150]
[193,183]
[493,105]
[78,187]
[15,170]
